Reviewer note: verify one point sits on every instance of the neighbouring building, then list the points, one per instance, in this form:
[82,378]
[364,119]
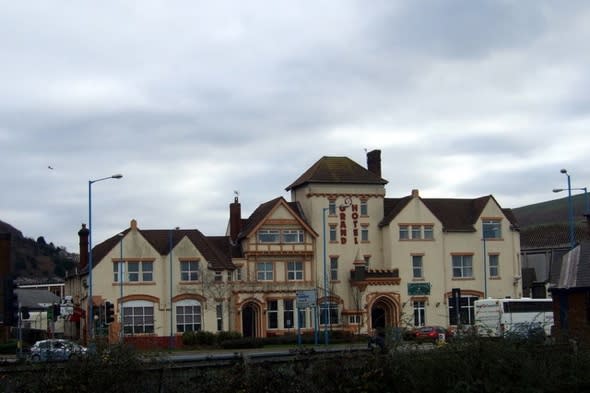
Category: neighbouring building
[571,296]
[370,261]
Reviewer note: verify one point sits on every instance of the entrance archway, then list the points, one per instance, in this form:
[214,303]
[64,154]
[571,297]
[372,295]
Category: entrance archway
[384,313]
[250,313]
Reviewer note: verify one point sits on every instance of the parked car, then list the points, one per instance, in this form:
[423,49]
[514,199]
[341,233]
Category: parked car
[56,350]
[431,334]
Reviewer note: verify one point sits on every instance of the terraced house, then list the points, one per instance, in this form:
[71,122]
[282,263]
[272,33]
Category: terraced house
[369,261]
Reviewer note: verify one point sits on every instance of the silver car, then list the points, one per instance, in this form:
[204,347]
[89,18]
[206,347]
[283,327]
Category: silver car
[56,350]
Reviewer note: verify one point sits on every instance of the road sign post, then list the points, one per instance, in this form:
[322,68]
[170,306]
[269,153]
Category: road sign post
[305,299]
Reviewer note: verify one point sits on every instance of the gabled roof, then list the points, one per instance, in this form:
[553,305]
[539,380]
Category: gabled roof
[456,215]
[337,170]
[215,249]
[262,212]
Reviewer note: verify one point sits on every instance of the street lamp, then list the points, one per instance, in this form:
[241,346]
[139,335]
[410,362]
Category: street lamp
[585,189]
[121,270]
[570,208]
[91,306]
[326,304]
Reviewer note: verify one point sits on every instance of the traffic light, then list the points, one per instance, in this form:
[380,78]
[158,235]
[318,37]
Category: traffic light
[10,303]
[24,312]
[56,311]
[109,312]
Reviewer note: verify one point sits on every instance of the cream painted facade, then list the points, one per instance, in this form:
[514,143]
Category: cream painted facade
[386,252]
[379,275]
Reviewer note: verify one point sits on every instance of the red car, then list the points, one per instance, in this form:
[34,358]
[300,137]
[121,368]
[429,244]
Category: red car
[431,333]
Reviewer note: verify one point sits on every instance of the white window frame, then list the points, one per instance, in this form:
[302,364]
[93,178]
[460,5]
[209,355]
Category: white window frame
[364,233]
[428,232]
[364,208]
[293,236]
[492,228]
[262,271]
[419,312]
[404,232]
[417,266]
[494,265]
[144,272]
[190,270]
[462,265]
[333,268]
[188,316]
[295,271]
[416,232]
[270,236]
[137,317]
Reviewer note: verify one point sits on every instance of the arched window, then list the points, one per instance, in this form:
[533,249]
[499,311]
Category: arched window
[138,317]
[188,316]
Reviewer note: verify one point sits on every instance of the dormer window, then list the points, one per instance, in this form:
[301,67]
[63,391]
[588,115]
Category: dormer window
[269,236]
[278,236]
[293,236]
[492,229]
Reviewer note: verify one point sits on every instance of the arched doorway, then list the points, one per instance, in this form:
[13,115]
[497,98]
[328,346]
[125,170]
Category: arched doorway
[250,312]
[383,313]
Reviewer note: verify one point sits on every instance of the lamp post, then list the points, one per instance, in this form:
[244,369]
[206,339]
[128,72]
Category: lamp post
[485,262]
[91,305]
[171,339]
[585,189]
[570,209]
[326,304]
[121,270]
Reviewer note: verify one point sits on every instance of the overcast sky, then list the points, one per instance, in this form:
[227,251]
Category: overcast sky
[192,100]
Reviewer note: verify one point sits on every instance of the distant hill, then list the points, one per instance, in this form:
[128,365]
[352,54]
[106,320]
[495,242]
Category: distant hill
[551,212]
[37,259]
[546,224]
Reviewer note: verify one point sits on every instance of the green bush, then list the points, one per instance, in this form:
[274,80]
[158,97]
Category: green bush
[204,338]
[189,339]
[8,347]
[224,336]
[465,366]
[242,343]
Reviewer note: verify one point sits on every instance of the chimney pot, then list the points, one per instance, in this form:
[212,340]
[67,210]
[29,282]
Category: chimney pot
[415,193]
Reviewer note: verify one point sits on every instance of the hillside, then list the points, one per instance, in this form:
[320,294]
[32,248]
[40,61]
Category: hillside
[37,259]
[550,212]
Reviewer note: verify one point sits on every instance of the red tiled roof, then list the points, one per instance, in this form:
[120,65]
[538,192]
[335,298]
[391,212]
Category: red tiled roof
[337,170]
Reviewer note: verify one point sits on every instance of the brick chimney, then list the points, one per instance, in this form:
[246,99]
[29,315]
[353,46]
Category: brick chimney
[374,162]
[235,219]
[83,235]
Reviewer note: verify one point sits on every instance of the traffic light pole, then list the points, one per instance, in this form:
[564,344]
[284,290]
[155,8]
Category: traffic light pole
[20,332]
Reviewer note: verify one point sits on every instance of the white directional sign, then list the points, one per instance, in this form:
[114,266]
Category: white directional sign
[306,298]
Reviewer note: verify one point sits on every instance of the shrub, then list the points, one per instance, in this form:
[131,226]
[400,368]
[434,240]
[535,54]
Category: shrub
[224,336]
[189,339]
[204,338]
[8,347]
[242,343]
